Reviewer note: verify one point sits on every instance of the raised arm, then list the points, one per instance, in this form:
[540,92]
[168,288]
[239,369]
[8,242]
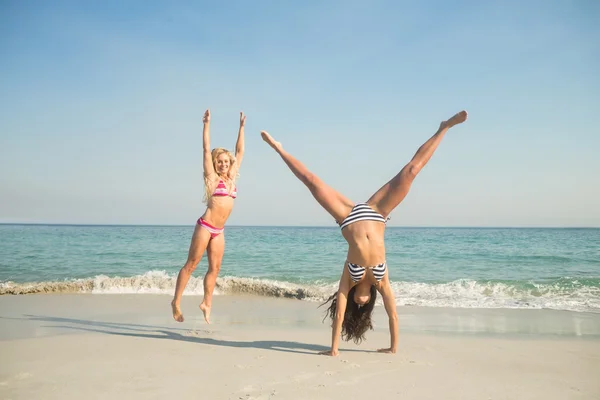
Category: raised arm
[239,146]
[389,302]
[209,168]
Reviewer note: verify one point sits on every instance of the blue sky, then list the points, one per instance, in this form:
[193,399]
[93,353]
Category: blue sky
[101,106]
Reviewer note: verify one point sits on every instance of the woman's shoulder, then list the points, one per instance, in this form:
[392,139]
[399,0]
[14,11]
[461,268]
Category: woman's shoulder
[212,178]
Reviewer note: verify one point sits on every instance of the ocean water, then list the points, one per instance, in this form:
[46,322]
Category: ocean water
[437,267]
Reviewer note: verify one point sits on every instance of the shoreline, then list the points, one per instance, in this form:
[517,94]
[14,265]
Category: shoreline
[254,311]
[465,294]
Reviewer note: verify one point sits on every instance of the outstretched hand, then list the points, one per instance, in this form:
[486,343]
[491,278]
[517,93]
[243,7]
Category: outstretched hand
[206,118]
[242,119]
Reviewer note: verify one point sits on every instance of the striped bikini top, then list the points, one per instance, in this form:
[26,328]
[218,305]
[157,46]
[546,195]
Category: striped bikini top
[221,190]
[362,212]
[357,272]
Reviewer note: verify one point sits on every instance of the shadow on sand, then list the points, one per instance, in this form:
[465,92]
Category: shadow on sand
[158,332]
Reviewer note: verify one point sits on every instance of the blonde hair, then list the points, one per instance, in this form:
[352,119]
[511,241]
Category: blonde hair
[229,180]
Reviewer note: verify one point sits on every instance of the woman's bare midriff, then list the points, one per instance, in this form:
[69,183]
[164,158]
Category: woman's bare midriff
[366,245]
[218,210]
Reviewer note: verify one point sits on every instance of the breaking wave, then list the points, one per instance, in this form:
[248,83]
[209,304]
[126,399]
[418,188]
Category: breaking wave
[560,294]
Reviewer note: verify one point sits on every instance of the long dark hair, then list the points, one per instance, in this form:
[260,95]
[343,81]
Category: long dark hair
[357,319]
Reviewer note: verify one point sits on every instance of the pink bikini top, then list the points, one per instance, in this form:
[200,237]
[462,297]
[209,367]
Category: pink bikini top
[221,190]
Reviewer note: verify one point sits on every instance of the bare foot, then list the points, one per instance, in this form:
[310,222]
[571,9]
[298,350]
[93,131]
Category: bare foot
[267,138]
[177,315]
[206,311]
[456,119]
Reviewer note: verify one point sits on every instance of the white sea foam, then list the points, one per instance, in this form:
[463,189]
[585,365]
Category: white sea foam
[457,294]
[472,294]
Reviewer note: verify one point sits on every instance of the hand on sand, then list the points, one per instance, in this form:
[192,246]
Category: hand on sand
[206,118]
[331,353]
[242,119]
[388,350]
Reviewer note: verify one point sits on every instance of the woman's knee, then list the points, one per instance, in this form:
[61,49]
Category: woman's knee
[410,171]
[214,268]
[191,264]
[310,180]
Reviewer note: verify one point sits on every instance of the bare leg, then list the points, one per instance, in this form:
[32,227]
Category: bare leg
[199,243]
[392,193]
[337,205]
[215,251]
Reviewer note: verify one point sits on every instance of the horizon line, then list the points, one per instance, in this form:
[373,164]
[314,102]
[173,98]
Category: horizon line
[304,226]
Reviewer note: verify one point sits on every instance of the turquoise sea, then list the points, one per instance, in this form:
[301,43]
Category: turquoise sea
[436,267]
